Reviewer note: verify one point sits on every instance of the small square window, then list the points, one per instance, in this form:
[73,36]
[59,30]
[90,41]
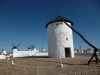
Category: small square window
[61,23]
[66,38]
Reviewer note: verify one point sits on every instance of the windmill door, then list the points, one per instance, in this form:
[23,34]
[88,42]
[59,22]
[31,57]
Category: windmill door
[67,52]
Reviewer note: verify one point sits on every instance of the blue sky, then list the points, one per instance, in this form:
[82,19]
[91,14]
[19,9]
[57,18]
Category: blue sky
[23,21]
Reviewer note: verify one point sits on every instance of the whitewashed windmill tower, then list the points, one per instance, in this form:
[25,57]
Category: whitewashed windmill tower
[14,49]
[60,38]
[4,51]
[29,49]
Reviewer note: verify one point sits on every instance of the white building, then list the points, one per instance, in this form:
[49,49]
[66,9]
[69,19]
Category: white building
[29,49]
[60,38]
[2,57]
[42,49]
[4,52]
[29,52]
[17,53]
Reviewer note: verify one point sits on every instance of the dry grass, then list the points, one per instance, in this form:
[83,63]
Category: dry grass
[49,66]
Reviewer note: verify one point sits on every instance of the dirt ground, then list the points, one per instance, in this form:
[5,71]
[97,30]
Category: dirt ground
[49,66]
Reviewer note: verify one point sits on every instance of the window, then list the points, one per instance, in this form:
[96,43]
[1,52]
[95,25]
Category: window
[66,38]
[61,23]
[56,24]
[51,25]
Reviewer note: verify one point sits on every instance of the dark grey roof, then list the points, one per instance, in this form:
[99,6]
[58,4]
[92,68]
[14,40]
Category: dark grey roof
[58,18]
[14,47]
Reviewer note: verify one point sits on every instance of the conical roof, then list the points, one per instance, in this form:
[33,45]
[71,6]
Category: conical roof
[14,47]
[58,18]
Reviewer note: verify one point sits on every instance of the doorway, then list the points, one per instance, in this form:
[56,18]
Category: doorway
[67,52]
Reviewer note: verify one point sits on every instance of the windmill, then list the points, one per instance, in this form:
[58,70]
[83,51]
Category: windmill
[29,48]
[4,51]
[81,48]
[95,49]
[42,49]
[32,46]
[15,47]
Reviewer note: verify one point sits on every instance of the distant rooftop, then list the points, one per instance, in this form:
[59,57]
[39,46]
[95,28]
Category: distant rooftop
[58,18]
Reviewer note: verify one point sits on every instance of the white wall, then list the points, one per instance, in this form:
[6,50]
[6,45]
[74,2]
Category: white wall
[42,54]
[28,53]
[2,57]
[24,53]
[4,52]
[57,35]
